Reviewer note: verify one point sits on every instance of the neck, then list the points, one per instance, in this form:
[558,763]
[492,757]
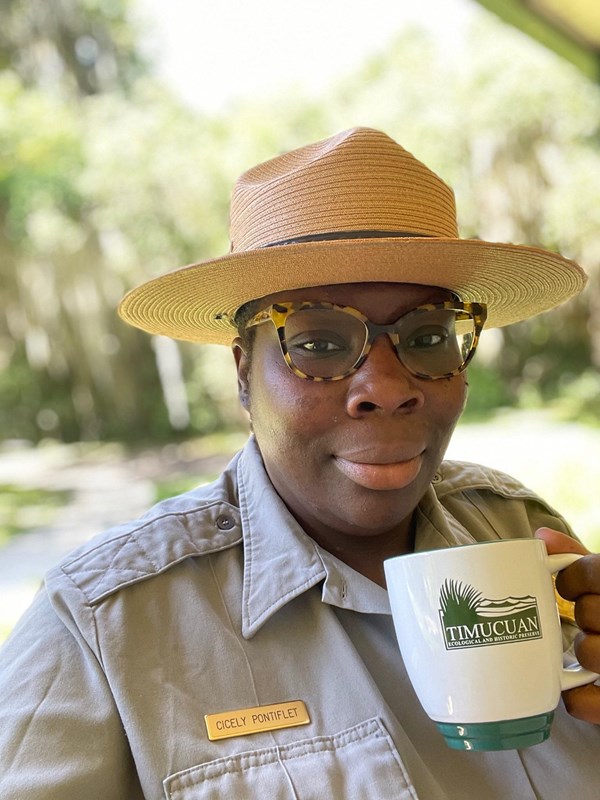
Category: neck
[365,553]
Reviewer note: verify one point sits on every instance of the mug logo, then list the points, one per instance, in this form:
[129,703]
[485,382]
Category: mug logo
[470,620]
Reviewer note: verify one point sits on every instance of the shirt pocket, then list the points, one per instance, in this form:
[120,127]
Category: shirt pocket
[360,762]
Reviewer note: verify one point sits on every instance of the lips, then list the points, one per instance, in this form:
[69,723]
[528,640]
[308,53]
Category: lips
[379,470]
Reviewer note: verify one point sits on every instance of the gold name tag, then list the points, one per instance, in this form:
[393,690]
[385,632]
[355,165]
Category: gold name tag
[254,720]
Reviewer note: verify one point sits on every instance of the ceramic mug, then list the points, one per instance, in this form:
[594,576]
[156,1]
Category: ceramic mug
[480,635]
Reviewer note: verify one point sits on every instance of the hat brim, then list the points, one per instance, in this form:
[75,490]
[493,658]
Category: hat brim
[198,302]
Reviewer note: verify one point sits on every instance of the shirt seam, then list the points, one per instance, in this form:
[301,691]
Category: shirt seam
[134,531]
[451,541]
[481,513]
[133,537]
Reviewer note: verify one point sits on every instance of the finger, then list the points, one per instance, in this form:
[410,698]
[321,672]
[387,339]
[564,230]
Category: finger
[587,613]
[557,542]
[584,703]
[582,577]
[587,650]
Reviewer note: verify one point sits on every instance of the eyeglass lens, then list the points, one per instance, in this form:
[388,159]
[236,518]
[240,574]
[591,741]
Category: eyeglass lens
[326,343]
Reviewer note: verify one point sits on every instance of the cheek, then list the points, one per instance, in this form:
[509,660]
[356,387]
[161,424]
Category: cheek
[457,392]
[281,403]
[449,400]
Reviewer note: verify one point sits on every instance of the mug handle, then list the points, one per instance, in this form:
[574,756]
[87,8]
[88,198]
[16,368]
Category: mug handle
[575,675]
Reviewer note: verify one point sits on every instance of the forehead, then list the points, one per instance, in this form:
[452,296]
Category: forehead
[383,300]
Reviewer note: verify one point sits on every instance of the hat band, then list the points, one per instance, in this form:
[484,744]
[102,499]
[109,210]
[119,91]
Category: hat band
[333,235]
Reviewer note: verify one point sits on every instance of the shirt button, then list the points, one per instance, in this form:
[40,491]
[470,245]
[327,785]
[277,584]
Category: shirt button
[436,478]
[225,522]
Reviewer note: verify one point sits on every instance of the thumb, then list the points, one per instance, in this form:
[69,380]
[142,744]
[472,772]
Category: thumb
[557,542]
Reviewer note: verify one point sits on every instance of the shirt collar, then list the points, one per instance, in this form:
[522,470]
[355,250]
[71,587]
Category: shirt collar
[280,560]
[344,587]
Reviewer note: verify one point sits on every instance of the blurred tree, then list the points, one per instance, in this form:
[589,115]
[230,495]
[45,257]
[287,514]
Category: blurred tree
[90,208]
[104,183]
[65,357]
[82,46]
[530,158]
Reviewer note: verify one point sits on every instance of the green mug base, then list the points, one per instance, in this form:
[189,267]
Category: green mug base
[510,734]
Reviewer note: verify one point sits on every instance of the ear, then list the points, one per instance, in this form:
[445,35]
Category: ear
[242,363]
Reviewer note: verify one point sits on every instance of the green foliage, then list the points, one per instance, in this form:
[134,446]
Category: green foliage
[24,509]
[578,398]
[178,485]
[39,163]
[487,392]
[106,180]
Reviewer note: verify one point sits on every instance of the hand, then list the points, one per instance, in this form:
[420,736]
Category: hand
[580,582]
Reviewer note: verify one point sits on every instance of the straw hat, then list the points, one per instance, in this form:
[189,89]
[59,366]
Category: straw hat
[355,207]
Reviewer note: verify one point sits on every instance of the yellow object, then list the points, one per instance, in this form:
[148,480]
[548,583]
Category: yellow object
[256,719]
[566,608]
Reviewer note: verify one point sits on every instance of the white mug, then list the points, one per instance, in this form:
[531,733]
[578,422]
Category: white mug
[480,635]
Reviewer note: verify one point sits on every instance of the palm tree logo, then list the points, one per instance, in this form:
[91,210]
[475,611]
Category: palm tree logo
[471,620]
[459,603]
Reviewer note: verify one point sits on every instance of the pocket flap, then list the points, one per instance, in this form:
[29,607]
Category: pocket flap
[361,761]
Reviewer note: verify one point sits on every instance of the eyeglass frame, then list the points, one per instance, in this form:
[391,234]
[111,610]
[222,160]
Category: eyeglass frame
[278,313]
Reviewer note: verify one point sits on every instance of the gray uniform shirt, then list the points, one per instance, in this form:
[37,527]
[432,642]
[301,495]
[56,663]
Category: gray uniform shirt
[216,601]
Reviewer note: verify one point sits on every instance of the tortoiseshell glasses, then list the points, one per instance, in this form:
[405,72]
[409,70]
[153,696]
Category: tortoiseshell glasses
[326,342]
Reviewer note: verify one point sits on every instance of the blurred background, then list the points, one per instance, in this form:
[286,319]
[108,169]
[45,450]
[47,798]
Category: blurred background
[123,125]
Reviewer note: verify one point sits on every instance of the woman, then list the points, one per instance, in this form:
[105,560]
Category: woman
[237,640]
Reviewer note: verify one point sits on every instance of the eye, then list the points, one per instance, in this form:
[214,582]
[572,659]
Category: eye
[317,343]
[319,346]
[425,339]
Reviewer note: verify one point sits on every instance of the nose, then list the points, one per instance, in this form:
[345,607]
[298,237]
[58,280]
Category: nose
[382,384]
